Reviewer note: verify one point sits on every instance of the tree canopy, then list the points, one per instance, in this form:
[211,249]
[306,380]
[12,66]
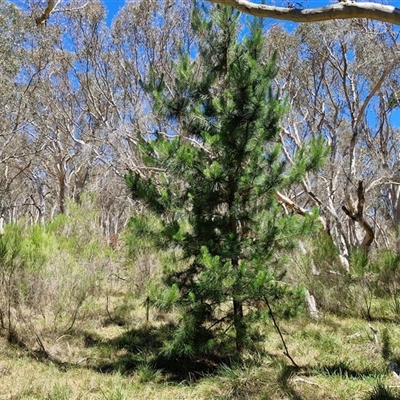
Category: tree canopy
[295,11]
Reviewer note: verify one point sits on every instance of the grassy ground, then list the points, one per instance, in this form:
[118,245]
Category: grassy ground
[336,359]
[73,310]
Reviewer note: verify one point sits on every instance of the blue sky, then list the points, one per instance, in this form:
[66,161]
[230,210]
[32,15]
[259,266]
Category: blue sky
[113,6]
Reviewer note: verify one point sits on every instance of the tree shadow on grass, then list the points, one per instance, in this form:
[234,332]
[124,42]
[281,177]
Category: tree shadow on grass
[380,392]
[287,371]
[142,346]
[341,369]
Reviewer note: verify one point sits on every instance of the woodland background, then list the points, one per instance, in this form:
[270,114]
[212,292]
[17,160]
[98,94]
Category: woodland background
[76,283]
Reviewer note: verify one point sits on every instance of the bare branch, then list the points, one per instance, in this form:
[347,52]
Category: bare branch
[376,87]
[342,10]
[51,8]
[296,208]
[46,14]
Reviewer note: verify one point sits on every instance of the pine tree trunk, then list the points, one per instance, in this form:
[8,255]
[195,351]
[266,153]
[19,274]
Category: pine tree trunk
[240,327]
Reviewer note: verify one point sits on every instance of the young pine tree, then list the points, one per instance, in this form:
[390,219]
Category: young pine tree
[213,184]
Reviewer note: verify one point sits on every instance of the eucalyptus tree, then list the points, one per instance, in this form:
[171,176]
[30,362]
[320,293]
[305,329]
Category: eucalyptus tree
[81,100]
[144,37]
[64,77]
[288,11]
[147,35]
[61,124]
[16,149]
[341,79]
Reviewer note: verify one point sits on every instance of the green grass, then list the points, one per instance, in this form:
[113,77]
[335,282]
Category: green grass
[337,358]
[81,333]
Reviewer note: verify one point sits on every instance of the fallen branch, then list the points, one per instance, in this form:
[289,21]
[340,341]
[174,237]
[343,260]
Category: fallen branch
[300,379]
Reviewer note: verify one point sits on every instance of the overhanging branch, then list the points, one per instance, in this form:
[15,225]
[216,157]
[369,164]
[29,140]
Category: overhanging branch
[342,10]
